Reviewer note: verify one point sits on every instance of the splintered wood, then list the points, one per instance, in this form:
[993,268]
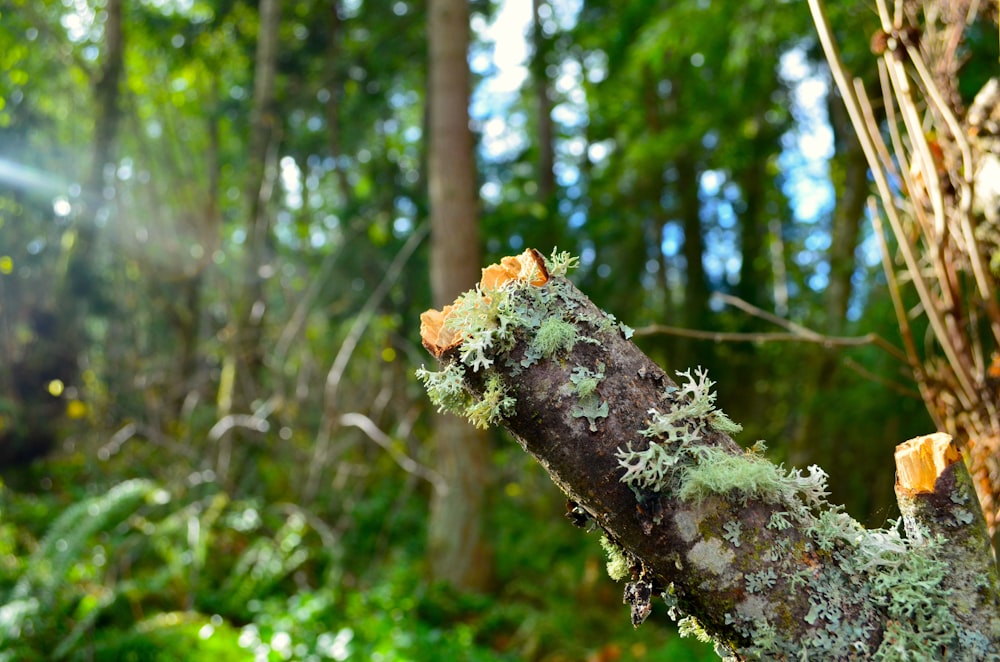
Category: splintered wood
[920,461]
[438,337]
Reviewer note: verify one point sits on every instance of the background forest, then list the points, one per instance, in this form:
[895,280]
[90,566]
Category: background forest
[215,247]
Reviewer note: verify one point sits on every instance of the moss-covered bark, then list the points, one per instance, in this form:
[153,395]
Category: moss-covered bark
[743,551]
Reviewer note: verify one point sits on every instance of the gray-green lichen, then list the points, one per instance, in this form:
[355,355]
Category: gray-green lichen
[903,578]
[554,335]
[880,568]
[732,529]
[689,416]
[487,322]
[592,408]
[689,626]
[585,380]
[619,567]
[494,404]
[711,555]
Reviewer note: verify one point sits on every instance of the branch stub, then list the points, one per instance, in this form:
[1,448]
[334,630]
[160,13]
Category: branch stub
[921,460]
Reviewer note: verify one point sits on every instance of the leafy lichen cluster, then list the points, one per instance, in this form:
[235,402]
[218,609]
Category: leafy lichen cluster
[619,567]
[690,415]
[903,577]
[486,320]
[589,404]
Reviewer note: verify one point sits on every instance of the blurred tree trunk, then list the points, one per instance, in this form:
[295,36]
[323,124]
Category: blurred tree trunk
[264,135]
[79,283]
[696,293]
[334,83]
[107,96]
[457,551]
[755,273]
[546,149]
[850,181]
[187,313]
[81,288]
[241,374]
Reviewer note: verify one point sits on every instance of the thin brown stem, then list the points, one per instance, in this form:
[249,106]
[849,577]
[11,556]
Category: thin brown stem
[760,338]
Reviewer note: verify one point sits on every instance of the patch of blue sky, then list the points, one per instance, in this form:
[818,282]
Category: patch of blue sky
[807,148]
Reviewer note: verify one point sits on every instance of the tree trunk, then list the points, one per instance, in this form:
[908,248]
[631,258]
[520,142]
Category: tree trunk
[79,283]
[546,146]
[107,95]
[696,293]
[264,135]
[79,286]
[752,555]
[335,84]
[187,313]
[241,372]
[755,274]
[457,551]
[850,180]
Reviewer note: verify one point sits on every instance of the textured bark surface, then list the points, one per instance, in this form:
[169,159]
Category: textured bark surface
[820,585]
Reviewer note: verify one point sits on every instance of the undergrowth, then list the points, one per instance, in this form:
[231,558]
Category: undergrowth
[143,571]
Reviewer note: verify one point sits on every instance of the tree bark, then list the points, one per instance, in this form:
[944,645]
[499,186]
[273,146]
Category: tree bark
[750,554]
[457,550]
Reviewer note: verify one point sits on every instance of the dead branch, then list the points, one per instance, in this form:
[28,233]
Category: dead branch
[744,552]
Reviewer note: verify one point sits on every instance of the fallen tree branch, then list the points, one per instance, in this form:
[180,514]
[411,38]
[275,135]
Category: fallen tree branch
[744,552]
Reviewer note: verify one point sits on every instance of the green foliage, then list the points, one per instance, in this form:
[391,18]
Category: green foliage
[214,578]
[66,556]
[167,637]
[69,589]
